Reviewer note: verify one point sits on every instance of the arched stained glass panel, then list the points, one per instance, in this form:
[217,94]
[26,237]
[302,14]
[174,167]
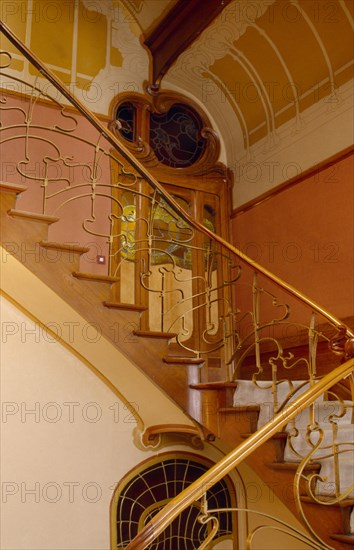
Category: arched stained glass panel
[151,489]
[175,136]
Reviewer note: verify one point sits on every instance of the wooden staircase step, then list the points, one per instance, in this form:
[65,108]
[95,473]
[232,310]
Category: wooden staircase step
[66,247]
[293,466]
[120,305]
[278,441]
[214,385]
[183,360]
[241,413]
[155,334]
[241,409]
[289,469]
[346,539]
[345,503]
[12,188]
[280,435]
[94,277]
[32,216]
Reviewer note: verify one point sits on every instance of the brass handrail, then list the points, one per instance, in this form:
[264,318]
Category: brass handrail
[199,487]
[144,173]
[196,490]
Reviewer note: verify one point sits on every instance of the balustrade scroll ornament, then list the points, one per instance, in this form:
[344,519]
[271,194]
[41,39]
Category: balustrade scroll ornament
[216,302]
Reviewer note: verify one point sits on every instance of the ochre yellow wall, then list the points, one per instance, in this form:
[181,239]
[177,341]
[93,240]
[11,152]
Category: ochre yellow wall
[92,46]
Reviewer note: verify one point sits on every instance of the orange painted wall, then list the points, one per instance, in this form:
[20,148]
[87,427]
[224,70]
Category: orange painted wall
[305,235]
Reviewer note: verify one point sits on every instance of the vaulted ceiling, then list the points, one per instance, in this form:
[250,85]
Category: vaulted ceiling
[262,66]
[269,59]
[275,77]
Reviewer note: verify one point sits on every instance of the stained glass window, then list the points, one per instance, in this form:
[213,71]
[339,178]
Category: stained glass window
[175,136]
[126,117]
[151,489]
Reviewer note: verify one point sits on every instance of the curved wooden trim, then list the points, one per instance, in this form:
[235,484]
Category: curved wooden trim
[152,434]
[160,102]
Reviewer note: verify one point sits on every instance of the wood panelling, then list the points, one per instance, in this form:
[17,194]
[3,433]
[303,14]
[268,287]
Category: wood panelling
[181,26]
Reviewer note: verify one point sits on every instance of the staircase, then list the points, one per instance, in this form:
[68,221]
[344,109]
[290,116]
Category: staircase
[275,461]
[25,236]
[222,339]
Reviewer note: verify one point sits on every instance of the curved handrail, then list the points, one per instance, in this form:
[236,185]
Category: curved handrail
[199,487]
[144,173]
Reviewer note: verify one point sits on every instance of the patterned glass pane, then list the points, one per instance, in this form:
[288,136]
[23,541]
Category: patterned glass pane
[175,136]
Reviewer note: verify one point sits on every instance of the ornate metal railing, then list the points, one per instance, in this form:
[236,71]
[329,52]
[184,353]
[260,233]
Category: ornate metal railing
[198,489]
[209,298]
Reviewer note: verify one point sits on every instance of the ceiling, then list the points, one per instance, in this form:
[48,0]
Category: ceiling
[274,76]
[148,13]
[270,60]
[260,66]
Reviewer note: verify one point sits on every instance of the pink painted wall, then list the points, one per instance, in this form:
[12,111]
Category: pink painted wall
[305,235]
[65,147]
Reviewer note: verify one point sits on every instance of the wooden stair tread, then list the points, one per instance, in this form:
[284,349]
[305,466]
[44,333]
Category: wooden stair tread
[293,466]
[279,435]
[347,502]
[347,539]
[65,246]
[12,188]
[183,360]
[213,385]
[43,218]
[241,408]
[154,334]
[120,305]
[93,277]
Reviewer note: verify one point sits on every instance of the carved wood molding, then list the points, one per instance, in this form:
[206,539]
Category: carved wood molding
[181,26]
[160,102]
[161,435]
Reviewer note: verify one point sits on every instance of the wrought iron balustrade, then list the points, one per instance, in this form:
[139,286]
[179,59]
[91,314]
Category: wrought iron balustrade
[212,300]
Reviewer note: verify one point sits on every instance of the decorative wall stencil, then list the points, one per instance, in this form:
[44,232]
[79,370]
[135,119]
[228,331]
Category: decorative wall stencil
[147,12]
[95,70]
[270,74]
